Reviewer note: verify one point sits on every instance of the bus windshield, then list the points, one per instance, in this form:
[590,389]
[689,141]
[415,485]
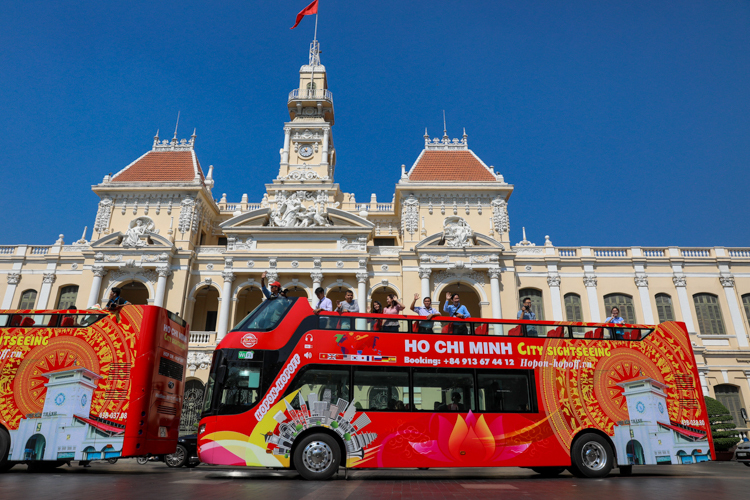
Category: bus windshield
[267,315]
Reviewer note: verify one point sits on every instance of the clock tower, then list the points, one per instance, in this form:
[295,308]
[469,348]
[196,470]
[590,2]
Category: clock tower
[308,156]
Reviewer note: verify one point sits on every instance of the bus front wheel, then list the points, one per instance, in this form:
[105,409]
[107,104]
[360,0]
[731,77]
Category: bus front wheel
[317,457]
[592,456]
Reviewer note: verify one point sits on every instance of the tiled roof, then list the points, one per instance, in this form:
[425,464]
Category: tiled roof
[161,166]
[452,166]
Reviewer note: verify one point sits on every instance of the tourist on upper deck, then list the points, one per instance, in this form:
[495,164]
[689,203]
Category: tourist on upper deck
[527,314]
[115,302]
[614,317]
[376,308]
[454,308]
[349,304]
[275,287]
[393,306]
[427,310]
[324,303]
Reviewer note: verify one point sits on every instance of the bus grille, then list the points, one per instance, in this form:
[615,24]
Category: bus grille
[166,410]
[171,369]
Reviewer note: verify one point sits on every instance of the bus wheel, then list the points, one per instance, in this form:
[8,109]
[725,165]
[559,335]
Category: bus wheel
[548,471]
[317,457]
[626,470]
[142,460]
[592,456]
[5,464]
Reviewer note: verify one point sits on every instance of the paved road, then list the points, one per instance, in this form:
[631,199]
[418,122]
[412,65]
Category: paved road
[127,480]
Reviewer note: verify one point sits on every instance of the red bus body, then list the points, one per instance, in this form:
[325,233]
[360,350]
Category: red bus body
[580,384]
[110,389]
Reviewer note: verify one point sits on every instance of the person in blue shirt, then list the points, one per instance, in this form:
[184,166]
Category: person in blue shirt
[427,310]
[527,314]
[454,308]
[614,317]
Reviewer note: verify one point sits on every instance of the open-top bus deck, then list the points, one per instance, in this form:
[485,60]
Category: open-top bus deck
[289,388]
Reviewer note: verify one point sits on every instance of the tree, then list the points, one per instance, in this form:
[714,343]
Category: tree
[722,425]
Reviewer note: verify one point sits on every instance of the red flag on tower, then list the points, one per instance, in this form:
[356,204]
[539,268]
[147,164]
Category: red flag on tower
[307,11]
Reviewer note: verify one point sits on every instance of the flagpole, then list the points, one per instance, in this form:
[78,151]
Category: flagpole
[314,58]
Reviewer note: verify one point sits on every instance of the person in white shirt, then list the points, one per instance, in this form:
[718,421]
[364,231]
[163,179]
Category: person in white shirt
[324,303]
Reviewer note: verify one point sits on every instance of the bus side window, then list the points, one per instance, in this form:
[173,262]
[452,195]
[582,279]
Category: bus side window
[443,389]
[507,391]
[316,380]
[382,388]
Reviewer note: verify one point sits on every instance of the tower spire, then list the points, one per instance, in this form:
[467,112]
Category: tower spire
[445,129]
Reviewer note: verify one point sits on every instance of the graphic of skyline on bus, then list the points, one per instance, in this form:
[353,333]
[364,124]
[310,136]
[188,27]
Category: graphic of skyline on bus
[321,413]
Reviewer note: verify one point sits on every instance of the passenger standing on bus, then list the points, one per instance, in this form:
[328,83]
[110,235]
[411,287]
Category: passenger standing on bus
[324,303]
[376,308]
[275,287]
[393,306]
[614,317]
[527,314]
[115,302]
[454,308]
[427,310]
[349,304]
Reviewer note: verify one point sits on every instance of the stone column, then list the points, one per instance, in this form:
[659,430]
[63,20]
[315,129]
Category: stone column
[589,281]
[680,283]
[13,280]
[362,290]
[702,372]
[226,303]
[317,278]
[641,281]
[324,161]
[734,310]
[47,281]
[161,285]
[285,151]
[424,276]
[553,281]
[96,285]
[494,273]
[189,307]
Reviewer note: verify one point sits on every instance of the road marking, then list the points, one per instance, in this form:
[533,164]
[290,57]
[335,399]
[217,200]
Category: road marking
[484,486]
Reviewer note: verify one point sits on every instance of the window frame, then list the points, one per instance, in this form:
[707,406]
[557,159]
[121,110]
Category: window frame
[704,307]
[580,306]
[659,306]
[537,301]
[622,307]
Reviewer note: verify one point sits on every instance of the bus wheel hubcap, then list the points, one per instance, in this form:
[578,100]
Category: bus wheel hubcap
[317,456]
[594,456]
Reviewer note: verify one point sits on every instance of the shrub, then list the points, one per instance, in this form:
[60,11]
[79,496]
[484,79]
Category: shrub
[722,425]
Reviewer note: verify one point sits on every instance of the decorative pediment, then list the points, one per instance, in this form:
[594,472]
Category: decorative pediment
[253,218]
[117,239]
[336,219]
[480,241]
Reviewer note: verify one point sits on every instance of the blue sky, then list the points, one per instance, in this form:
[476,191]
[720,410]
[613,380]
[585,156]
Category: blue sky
[619,123]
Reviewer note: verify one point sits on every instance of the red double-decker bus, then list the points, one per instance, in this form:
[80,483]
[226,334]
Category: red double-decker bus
[291,389]
[89,385]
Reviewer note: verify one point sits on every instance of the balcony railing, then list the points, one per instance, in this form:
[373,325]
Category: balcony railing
[39,250]
[202,338]
[695,252]
[311,95]
[7,250]
[739,252]
[610,252]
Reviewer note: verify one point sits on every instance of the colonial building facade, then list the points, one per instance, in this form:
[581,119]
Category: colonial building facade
[162,235]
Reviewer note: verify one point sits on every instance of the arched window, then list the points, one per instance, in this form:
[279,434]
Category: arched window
[28,299]
[708,312]
[537,305]
[624,303]
[573,311]
[68,296]
[729,396]
[746,303]
[664,307]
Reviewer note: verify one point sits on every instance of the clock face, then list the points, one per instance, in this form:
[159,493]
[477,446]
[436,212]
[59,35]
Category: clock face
[84,400]
[59,399]
[306,151]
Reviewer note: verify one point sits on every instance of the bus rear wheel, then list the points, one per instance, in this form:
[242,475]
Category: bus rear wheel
[591,456]
[5,464]
[548,471]
[317,457]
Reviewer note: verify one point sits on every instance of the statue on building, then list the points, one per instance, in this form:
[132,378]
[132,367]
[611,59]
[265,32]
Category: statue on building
[457,232]
[291,212]
[138,232]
